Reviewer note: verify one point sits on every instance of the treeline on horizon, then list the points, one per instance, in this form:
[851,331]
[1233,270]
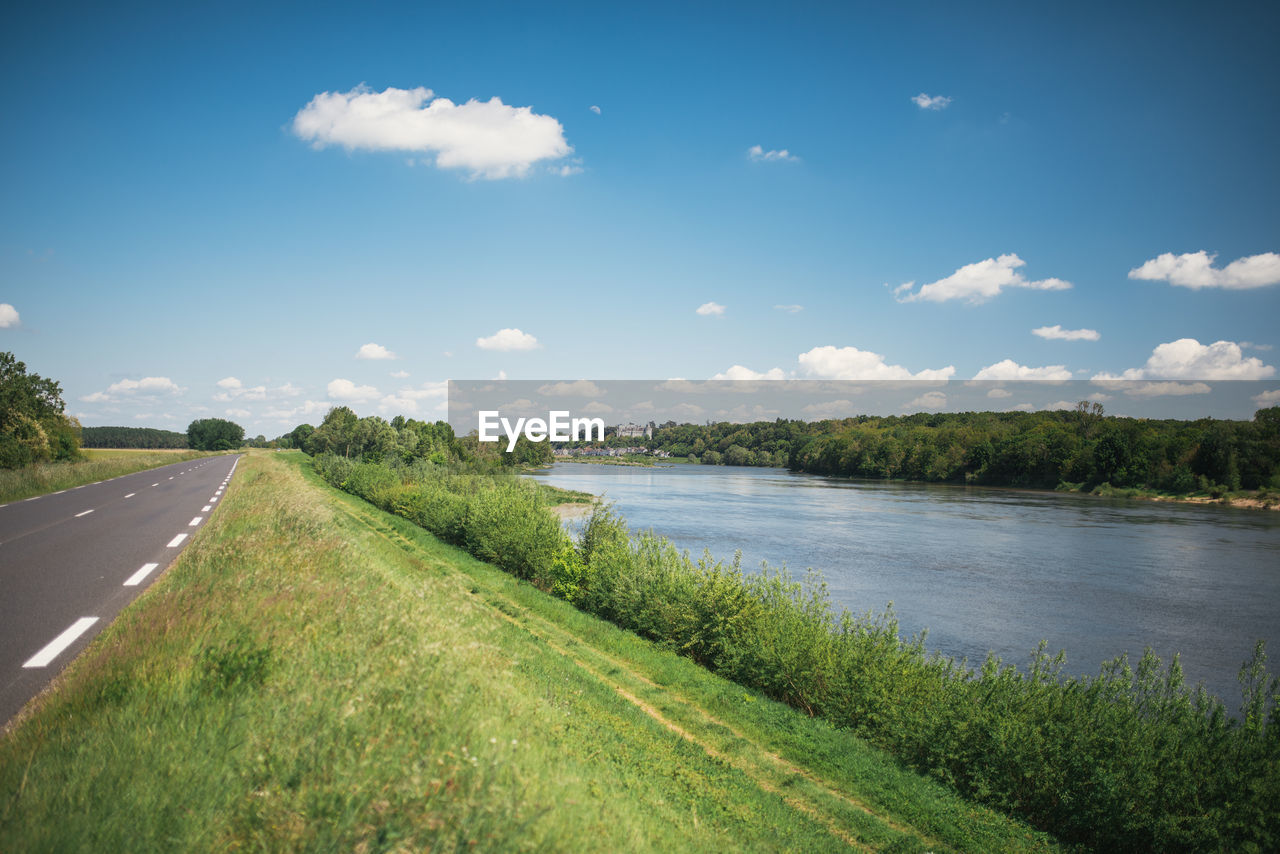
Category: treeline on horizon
[131,437]
[1078,449]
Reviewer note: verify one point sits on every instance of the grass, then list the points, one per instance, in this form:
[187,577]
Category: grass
[314,674]
[100,464]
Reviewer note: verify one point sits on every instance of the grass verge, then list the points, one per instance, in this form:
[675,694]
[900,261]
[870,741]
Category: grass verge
[315,674]
[101,464]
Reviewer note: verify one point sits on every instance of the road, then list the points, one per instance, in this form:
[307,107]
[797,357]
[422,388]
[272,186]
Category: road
[71,560]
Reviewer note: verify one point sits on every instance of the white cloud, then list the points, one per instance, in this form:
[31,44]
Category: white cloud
[1268,398]
[1008,369]
[928,400]
[1166,389]
[400,375]
[850,363]
[580,388]
[374,351]
[1249,345]
[229,383]
[1195,270]
[757,154]
[931,102]
[8,316]
[593,108]
[790,309]
[238,413]
[487,138]
[1022,407]
[999,392]
[406,401]
[1057,333]
[96,397]
[981,281]
[288,390]
[346,390]
[738,372]
[1188,359]
[597,407]
[830,409]
[144,385]
[508,339]
[707,309]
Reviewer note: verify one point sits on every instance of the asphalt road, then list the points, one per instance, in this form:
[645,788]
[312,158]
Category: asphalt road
[71,560]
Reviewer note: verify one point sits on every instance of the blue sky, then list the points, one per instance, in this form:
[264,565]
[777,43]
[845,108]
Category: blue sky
[181,210]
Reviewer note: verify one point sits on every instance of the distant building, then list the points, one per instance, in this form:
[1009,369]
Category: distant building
[635,431]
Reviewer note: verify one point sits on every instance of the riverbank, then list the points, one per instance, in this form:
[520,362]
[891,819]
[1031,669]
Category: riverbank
[313,674]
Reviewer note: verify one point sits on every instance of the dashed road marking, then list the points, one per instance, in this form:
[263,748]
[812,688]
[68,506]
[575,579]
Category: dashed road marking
[84,513]
[176,541]
[136,579]
[196,521]
[206,508]
[131,494]
[61,642]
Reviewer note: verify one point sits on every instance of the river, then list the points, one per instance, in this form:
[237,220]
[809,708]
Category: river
[986,569]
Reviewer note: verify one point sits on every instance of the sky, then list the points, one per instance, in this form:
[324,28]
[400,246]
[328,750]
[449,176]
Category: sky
[259,212]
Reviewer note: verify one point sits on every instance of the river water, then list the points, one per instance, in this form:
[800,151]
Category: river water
[986,569]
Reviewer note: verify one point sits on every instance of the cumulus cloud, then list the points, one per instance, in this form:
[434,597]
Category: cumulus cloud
[406,401]
[981,281]
[1188,359]
[8,316]
[229,383]
[489,139]
[1008,369]
[346,390]
[830,409]
[850,363]
[374,351]
[790,309]
[757,154]
[1195,270]
[1057,333]
[400,375]
[708,309]
[593,108]
[238,413]
[146,385]
[508,339]
[931,102]
[999,392]
[1268,398]
[597,407]
[579,388]
[738,372]
[928,400]
[96,397]
[1165,389]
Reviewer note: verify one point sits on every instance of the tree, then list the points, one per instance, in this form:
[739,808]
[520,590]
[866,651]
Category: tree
[214,434]
[33,427]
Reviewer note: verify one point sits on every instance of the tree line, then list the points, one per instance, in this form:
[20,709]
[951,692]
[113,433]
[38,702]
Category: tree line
[131,437]
[1080,448]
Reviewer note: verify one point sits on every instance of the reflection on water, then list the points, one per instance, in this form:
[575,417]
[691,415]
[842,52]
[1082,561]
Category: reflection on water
[986,569]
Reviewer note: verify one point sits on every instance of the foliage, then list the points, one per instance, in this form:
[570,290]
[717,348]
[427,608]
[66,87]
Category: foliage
[1131,759]
[131,437]
[214,434]
[33,425]
[1037,449]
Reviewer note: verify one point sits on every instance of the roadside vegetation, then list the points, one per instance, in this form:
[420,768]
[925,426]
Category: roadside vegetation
[1132,759]
[131,437]
[34,426]
[94,465]
[313,674]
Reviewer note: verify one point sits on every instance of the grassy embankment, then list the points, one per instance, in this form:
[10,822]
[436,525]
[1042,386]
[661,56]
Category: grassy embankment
[312,673]
[100,464]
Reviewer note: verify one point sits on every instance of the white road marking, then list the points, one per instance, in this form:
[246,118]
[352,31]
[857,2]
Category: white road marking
[155,484]
[176,541]
[213,499]
[206,508]
[59,492]
[61,642]
[196,521]
[131,494]
[85,513]
[34,497]
[170,478]
[136,579]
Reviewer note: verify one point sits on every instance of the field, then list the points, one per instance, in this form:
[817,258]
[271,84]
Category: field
[315,674]
[99,464]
